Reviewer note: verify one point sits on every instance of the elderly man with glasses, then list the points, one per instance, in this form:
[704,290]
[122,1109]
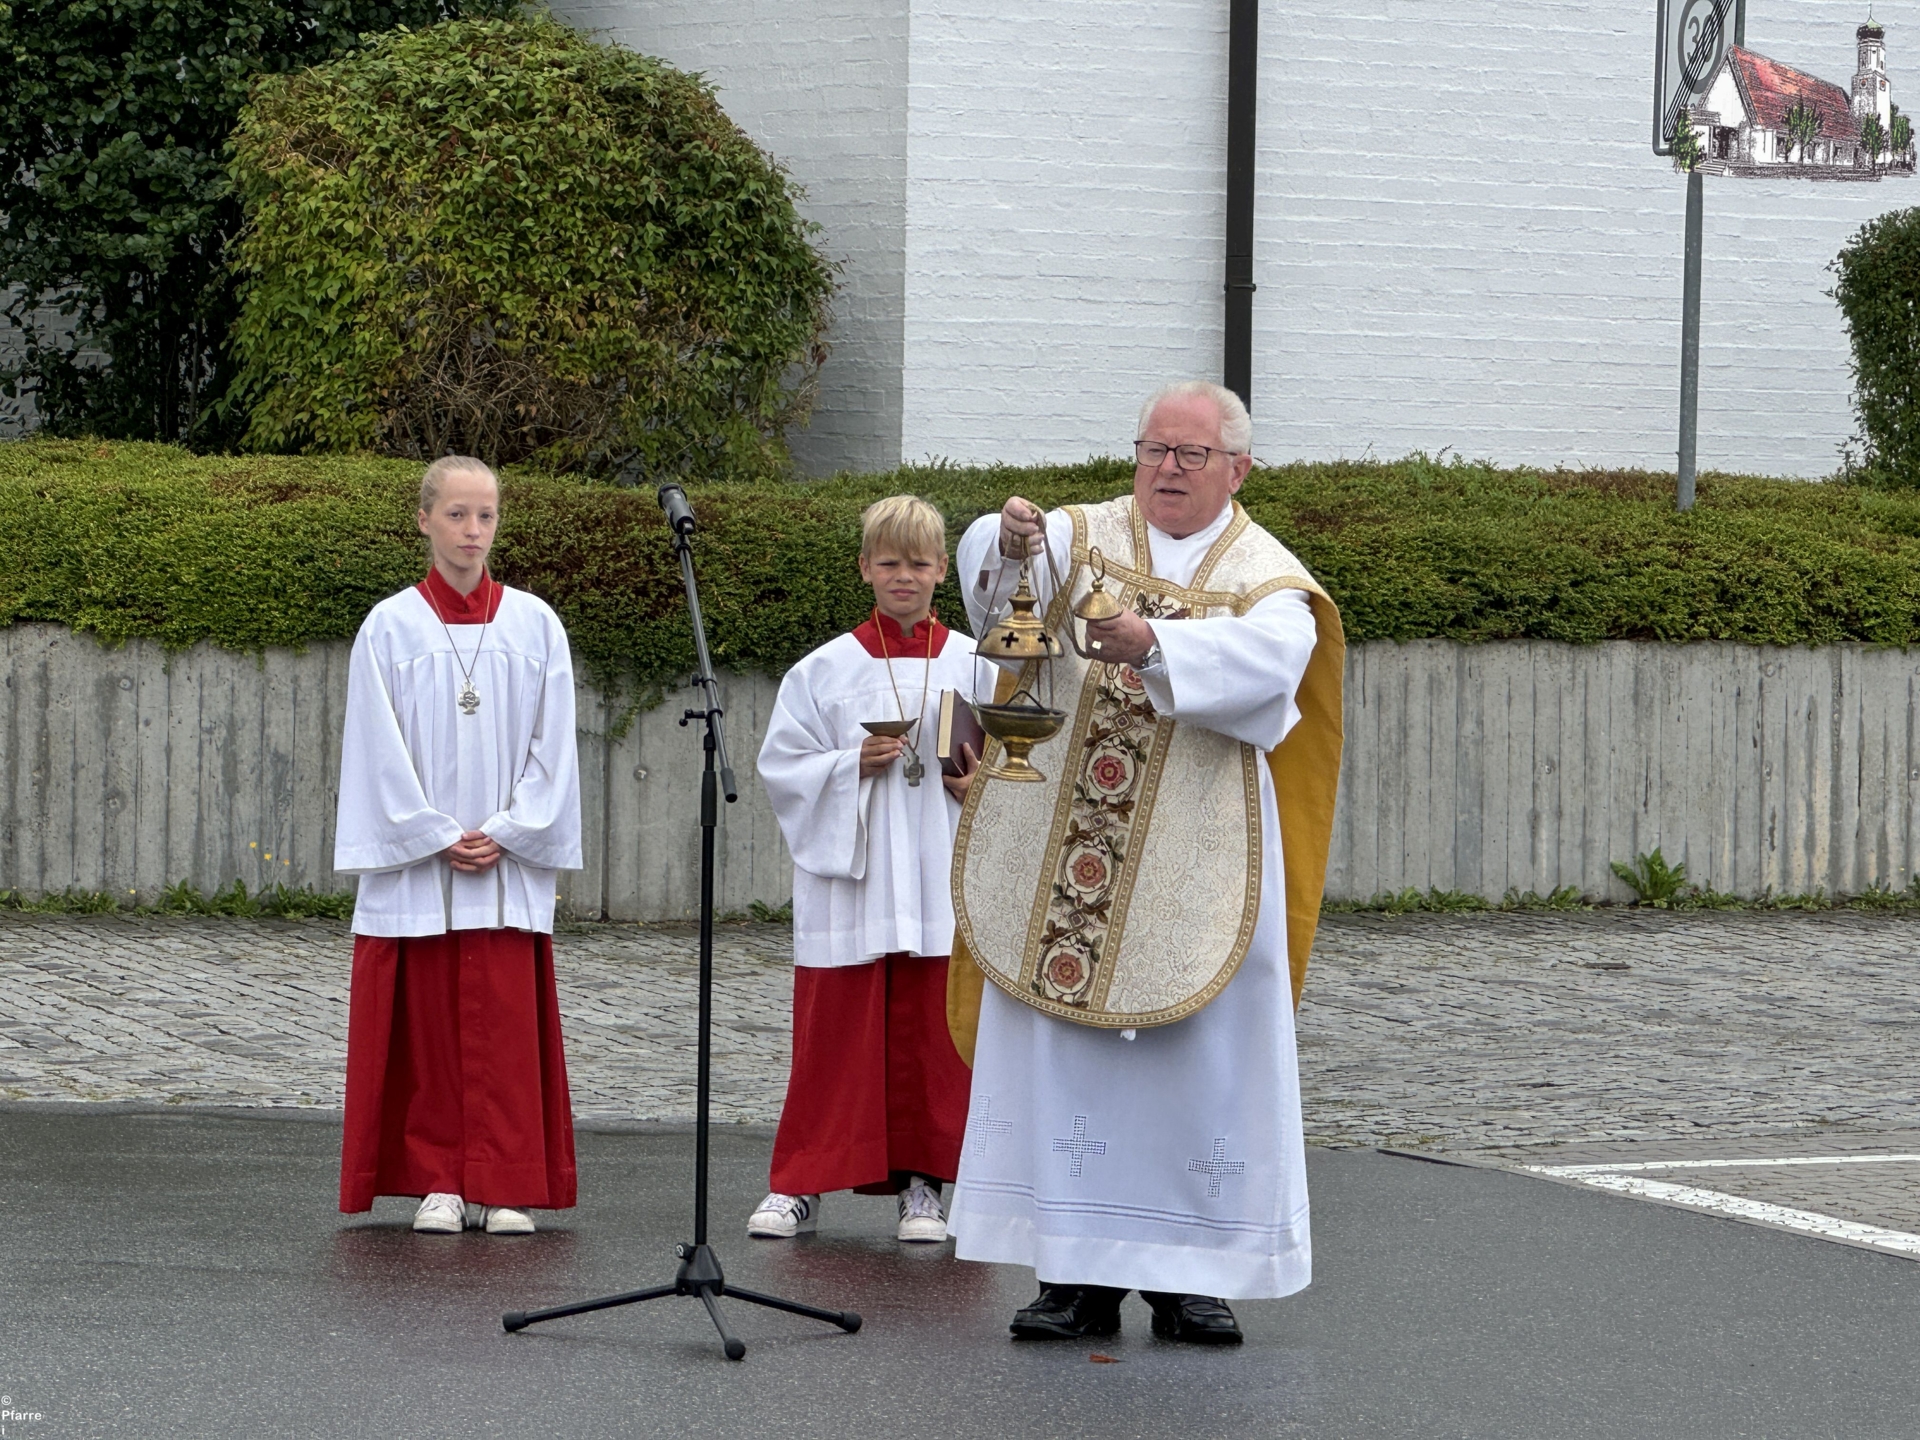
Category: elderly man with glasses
[1144,915]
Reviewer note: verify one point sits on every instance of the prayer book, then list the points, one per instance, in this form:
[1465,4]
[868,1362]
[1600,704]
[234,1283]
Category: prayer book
[958,727]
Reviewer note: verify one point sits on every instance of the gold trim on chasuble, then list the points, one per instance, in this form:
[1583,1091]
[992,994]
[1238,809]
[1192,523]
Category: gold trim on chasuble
[1104,795]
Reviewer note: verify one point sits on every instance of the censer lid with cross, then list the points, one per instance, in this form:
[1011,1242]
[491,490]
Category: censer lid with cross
[1022,637]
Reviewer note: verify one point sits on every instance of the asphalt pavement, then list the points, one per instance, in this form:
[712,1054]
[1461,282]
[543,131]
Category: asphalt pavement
[173,1272]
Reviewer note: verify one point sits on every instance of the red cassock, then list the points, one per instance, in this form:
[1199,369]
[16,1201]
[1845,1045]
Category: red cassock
[877,1089]
[456,1080]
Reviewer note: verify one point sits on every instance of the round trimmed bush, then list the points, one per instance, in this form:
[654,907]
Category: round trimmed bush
[1879,293]
[500,238]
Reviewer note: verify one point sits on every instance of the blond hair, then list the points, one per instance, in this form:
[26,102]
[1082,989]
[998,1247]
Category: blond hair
[1236,425]
[905,524]
[449,465]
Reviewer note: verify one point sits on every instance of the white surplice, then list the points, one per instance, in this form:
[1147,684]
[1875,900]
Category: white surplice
[872,858]
[1172,1160]
[416,773]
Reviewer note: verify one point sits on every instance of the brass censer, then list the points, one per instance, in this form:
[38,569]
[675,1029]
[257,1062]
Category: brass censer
[1023,637]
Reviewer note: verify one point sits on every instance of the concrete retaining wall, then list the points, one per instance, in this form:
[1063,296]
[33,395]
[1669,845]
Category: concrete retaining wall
[1480,768]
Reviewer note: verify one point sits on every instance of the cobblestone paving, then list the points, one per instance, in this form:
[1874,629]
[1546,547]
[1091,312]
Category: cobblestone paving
[1511,1038]
[254,1012]
[1471,1032]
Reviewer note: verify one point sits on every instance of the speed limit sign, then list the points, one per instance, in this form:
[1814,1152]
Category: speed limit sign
[1693,39]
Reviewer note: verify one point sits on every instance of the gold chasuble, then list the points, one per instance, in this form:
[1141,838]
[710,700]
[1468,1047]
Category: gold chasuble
[1123,892]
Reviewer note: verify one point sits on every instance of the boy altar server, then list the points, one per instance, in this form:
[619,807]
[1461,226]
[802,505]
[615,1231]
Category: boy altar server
[877,1097]
[459,802]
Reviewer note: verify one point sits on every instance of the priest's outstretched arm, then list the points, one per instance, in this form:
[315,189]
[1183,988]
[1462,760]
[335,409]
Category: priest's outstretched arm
[988,576]
[1236,675]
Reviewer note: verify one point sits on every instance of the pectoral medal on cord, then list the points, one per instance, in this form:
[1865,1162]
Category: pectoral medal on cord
[469,700]
[914,769]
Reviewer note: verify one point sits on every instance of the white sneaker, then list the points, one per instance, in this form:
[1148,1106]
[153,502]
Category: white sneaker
[922,1220]
[781,1217]
[502,1220]
[441,1214]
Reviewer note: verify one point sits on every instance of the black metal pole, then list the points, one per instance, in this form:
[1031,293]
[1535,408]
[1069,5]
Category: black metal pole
[1243,77]
[1690,344]
[699,1274]
[1740,23]
[709,818]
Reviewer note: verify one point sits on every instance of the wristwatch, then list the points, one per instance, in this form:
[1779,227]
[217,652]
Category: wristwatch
[1151,659]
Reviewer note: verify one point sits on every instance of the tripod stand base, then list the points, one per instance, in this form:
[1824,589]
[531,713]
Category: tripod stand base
[699,1275]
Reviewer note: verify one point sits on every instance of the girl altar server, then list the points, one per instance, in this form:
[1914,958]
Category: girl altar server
[877,1098]
[459,802]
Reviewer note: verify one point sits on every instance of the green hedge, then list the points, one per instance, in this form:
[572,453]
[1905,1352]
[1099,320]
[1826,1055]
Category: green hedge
[130,540]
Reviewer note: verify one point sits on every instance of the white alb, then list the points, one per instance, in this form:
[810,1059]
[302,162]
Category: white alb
[416,773]
[872,858]
[1169,1158]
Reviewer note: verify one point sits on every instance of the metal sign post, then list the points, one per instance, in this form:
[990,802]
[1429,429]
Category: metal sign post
[1691,41]
[1690,345]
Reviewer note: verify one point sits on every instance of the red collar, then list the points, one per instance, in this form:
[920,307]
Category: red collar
[928,637]
[453,608]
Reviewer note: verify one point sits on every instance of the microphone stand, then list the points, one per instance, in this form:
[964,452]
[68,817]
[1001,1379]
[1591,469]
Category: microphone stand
[699,1274]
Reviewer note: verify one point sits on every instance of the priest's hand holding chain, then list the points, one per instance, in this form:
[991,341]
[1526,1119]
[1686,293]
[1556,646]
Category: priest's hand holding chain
[1021,522]
[1123,640]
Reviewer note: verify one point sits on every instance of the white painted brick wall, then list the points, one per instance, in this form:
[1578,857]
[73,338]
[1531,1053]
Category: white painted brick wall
[1463,240]
[821,85]
[1065,208]
[1439,268]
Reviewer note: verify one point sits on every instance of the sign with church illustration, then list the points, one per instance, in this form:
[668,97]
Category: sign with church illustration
[1722,109]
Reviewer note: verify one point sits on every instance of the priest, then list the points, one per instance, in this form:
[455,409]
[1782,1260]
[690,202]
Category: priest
[1144,916]
[459,805]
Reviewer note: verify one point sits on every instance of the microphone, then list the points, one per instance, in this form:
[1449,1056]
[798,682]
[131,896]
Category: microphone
[673,500]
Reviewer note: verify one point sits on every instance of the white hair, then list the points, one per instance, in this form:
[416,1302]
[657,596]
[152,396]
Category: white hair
[1236,425]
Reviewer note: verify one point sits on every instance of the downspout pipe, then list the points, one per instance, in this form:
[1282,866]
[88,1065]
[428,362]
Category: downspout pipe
[1243,74]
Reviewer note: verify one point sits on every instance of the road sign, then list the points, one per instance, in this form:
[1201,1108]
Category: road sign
[1692,39]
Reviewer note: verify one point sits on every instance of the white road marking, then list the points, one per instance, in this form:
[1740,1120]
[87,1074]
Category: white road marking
[1624,1178]
[1634,1167]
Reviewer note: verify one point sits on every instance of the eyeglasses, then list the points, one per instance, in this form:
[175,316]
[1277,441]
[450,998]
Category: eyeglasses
[1187,457]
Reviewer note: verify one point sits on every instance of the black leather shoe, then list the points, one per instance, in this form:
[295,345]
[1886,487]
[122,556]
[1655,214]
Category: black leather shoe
[1070,1312]
[1192,1319]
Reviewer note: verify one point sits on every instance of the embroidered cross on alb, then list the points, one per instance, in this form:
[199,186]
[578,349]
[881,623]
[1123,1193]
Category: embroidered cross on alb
[982,1127]
[1216,1165]
[1078,1146]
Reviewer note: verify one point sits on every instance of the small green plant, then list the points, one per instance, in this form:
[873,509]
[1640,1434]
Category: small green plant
[1653,881]
[1705,898]
[67,902]
[1873,138]
[1803,128]
[1687,146]
[1812,900]
[1881,896]
[1566,897]
[781,914]
[281,901]
[1410,901]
